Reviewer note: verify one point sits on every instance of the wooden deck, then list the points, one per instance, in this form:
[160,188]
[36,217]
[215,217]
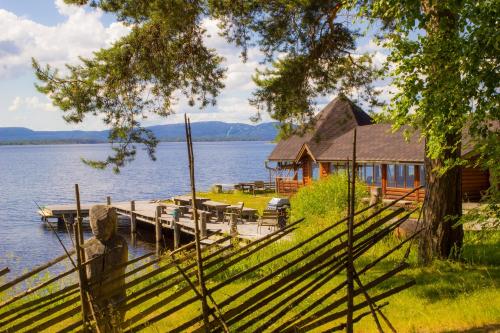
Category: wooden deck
[145,212]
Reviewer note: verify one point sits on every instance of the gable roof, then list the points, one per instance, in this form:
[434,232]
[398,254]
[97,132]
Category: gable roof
[376,143]
[337,118]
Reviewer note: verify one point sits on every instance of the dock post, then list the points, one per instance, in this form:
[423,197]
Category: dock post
[108,200]
[233,229]
[177,235]
[203,224]
[133,223]
[158,229]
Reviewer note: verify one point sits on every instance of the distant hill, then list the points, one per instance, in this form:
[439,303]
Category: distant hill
[201,131]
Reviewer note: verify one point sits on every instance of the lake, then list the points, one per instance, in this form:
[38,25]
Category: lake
[46,174]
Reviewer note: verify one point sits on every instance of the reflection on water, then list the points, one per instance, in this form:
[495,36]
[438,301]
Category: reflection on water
[46,174]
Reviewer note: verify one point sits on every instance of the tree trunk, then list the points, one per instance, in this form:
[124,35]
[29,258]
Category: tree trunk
[441,238]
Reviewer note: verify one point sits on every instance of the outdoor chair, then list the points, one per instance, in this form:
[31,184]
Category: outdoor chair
[236,210]
[269,218]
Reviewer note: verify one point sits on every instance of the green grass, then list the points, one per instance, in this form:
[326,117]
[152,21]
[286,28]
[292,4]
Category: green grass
[448,297]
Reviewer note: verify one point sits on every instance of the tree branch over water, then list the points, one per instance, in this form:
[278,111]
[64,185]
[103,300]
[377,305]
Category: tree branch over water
[307,52]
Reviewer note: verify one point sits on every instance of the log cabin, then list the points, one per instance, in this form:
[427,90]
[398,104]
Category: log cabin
[385,159]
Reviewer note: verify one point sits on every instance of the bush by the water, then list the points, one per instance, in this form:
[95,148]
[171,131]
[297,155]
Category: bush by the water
[325,197]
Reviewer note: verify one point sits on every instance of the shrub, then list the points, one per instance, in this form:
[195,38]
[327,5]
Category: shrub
[325,197]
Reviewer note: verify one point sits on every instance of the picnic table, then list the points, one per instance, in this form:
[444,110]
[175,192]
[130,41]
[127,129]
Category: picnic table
[216,207]
[249,214]
[185,200]
[246,187]
[252,187]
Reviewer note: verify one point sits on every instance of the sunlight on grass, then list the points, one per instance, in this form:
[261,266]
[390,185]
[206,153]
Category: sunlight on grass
[448,296]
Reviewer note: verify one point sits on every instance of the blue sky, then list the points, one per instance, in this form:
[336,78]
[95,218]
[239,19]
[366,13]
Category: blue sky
[56,33]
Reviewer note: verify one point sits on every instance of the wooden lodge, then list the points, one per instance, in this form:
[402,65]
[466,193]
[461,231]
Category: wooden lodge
[385,159]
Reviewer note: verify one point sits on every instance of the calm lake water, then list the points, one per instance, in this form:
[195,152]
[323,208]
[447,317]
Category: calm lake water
[47,174]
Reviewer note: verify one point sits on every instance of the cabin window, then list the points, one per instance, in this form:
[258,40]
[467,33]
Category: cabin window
[361,171]
[391,180]
[369,174]
[400,175]
[377,174]
[300,174]
[315,171]
[339,167]
[410,176]
[422,175]
[365,173]
[399,171]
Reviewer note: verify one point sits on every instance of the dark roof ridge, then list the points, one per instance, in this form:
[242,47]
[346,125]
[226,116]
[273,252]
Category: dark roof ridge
[338,117]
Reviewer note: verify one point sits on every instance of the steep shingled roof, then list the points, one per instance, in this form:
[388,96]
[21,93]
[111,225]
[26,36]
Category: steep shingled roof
[375,143]
[337,118]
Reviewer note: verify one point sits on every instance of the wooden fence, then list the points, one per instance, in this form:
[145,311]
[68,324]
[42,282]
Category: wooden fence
[273,284]
[162,289]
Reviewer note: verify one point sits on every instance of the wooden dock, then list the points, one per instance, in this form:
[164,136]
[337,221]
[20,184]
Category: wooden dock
[145,211]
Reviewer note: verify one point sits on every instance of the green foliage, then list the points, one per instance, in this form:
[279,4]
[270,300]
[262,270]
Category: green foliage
[310,51]
[138,75]
[325,197]
[444,60]
[308,45]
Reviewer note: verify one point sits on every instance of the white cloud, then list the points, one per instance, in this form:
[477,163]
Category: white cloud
[31,104]
[65,9]
[79,35]
[82,32]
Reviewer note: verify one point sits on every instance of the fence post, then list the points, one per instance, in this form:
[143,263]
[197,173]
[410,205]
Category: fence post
[233,229]
[133,223]
[177,235]
[350,235]
[79,258]
[158,229]
[108,200]
[199,260]
[203,224]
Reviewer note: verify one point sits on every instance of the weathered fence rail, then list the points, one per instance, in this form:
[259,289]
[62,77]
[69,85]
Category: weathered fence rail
[286,286]
[318,283]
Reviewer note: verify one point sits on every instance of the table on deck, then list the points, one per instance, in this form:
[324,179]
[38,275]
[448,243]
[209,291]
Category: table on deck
[217,207]
[246,186]
[185,200]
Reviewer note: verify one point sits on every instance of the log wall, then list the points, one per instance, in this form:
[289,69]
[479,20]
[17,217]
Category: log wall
[474,183]
[287,186]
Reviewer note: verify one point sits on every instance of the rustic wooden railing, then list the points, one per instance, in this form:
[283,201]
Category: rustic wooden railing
[158,287]
[270,284]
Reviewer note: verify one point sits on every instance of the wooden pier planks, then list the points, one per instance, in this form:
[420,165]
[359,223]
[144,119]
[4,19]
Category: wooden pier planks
[145,211]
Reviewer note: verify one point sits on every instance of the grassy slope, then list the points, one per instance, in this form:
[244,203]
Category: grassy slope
[448,297]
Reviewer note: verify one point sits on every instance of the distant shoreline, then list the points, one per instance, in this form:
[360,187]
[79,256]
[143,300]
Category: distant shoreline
[91,142]
[209,131]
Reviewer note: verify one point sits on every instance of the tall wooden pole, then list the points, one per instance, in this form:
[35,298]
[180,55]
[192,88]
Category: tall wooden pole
[133,223]
[79,257]
[196,227]
[350,233]
[158,230]
[133,218]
